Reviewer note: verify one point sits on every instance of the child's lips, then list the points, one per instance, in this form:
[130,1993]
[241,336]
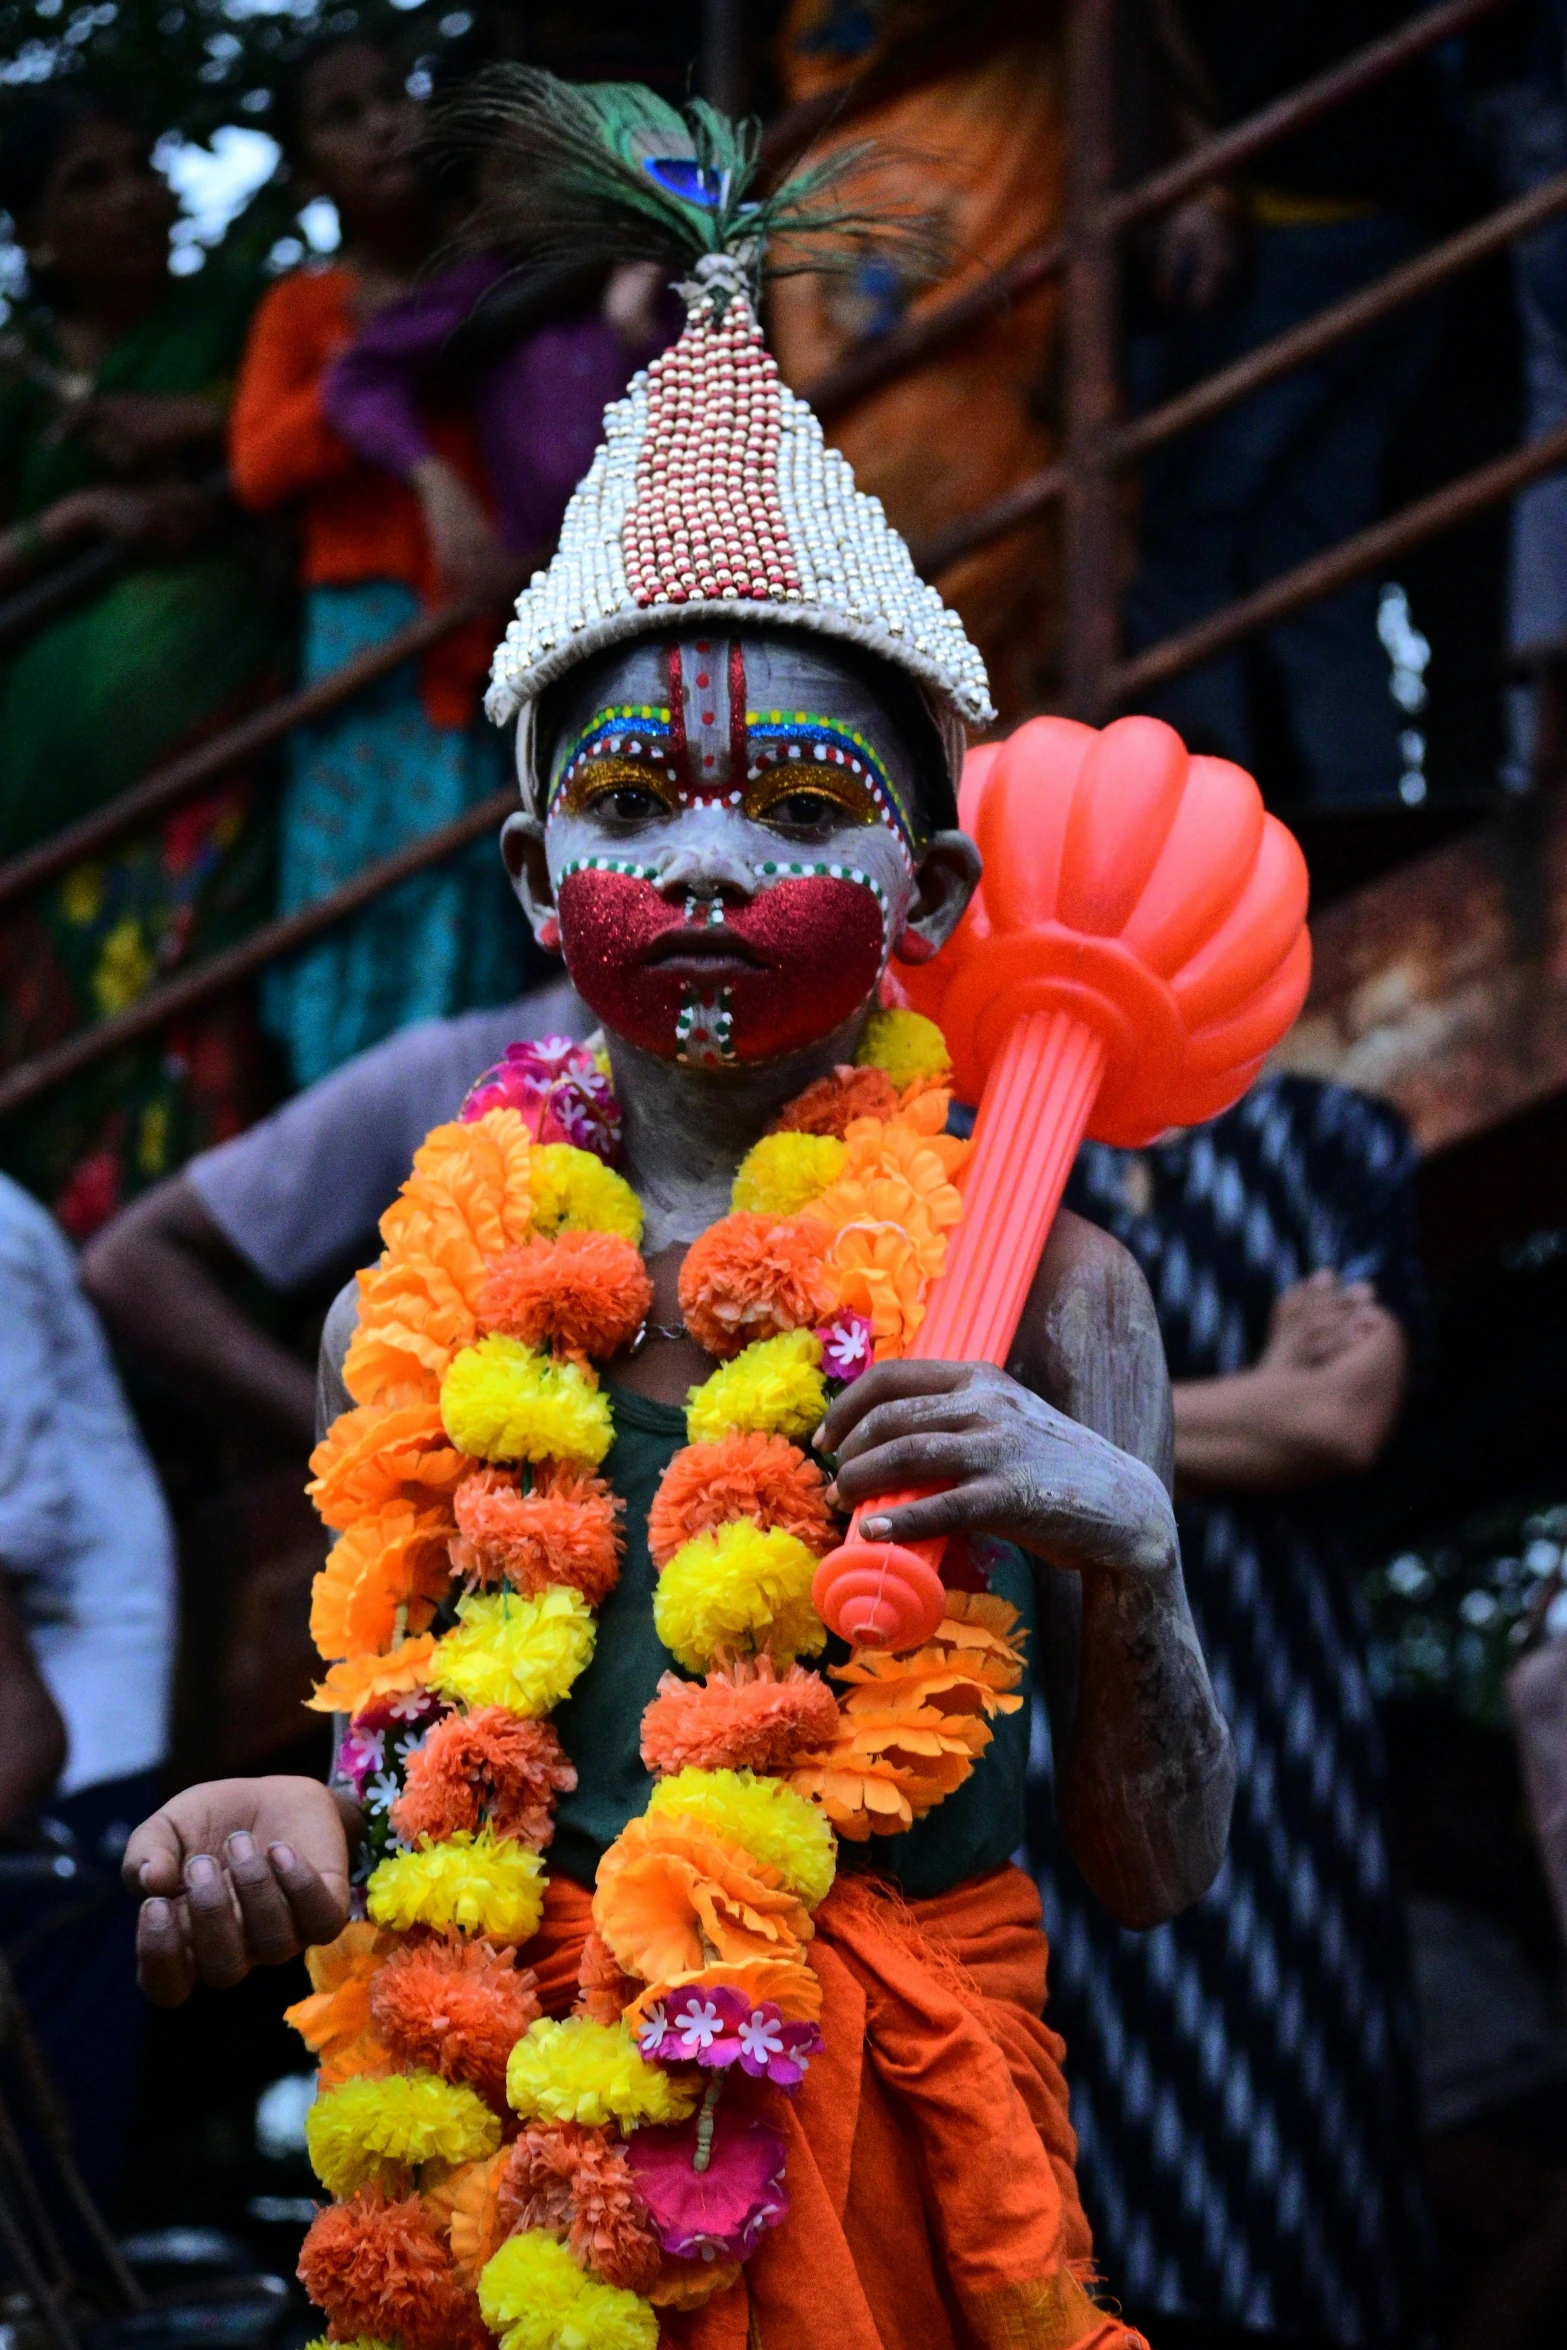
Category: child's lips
[707,953]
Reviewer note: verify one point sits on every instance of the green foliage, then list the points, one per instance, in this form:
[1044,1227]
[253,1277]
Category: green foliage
[189,65]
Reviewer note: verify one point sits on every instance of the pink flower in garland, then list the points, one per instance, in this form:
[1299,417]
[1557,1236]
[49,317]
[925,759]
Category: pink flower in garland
[846,1346]
[773,2050]
[558,1090]
[720,2212]
[718,2026]
[364,1750]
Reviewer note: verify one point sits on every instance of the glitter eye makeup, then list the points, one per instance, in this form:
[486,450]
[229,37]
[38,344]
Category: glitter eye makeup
[781,741]
[625,789]
[800,771]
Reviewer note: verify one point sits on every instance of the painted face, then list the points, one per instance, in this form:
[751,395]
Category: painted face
[732,831]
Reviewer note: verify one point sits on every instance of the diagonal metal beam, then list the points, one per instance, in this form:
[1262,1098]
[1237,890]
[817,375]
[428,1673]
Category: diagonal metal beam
[177,998]
[867,368]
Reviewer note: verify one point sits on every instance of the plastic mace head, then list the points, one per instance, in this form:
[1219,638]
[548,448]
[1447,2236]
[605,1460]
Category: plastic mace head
[880,1594]
[1143,891]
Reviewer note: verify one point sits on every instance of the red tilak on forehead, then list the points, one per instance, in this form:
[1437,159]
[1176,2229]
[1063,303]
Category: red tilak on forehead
[693,718]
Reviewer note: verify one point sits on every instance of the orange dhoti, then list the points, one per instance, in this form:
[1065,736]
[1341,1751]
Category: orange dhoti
[932,2196]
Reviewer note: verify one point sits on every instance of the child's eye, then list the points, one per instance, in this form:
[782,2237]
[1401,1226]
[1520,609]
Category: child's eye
[804,808]
[626,803]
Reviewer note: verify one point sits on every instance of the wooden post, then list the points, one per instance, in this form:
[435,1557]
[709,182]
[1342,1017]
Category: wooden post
[1090,568]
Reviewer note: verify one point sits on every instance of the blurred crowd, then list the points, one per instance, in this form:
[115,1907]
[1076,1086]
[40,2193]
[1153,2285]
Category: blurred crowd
[1276,2136]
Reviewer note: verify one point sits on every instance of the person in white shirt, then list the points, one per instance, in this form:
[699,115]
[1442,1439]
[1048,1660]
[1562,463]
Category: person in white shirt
[87,1637]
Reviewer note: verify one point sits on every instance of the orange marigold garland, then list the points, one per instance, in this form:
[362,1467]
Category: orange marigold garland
[489,1764]
[587,1294]
[476,1539]
[565,1527]
[746,1475]
[455,2008]
[832,1104]
[744,1717]
[751,1276]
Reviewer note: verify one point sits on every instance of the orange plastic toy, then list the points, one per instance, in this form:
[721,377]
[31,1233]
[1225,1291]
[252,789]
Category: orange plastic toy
[1136,949]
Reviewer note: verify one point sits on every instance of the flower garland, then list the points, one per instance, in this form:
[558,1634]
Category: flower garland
[499,2172]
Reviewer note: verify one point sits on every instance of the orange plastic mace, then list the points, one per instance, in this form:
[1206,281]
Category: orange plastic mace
[1137,947]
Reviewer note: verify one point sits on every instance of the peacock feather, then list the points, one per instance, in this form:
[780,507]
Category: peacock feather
[581,175]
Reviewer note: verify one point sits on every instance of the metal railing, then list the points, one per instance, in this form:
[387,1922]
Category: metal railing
[1097,446]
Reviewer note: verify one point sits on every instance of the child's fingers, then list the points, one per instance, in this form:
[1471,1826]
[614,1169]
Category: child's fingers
[905,1461]
[319,1910]
[216,1940]
[886,1383]
[267,1921]
[151,1861]
[960,1508]
[164,1966]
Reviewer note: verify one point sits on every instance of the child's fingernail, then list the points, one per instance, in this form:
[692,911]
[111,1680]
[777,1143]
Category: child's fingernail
[877,1529]
[831,1496]
[282,1857]
[156,1914]
[242,1847]
[201,1869]
[816,1440]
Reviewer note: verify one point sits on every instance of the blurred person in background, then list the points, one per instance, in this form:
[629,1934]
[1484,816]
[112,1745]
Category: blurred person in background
[87,1607]
[294,1202]
[354,407]
[1282,475]
[1242,2078]
[973,142]
[114,386]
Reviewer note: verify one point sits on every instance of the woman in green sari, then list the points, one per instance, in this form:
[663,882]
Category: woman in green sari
[112,407]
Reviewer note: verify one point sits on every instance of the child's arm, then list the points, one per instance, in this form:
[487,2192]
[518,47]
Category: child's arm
[235,1874]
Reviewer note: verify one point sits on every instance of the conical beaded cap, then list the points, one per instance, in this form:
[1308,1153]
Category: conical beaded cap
[714,497]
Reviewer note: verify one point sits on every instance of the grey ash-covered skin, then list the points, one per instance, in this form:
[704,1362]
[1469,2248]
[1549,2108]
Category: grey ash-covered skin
[1067,1452]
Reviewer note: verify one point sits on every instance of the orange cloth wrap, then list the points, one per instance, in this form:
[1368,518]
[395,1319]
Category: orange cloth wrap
[933,2198]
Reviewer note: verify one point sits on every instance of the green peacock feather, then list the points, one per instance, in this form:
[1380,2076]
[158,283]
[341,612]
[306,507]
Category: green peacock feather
[580,175]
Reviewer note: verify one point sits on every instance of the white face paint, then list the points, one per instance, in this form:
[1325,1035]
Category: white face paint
[733,843]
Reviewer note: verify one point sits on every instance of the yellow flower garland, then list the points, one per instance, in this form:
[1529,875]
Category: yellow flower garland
[427,1370]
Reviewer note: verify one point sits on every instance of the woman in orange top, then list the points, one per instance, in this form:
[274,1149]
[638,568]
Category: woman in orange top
[978,147]
[412,752]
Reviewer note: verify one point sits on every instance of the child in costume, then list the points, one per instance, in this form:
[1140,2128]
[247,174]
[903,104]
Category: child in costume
[689,1994]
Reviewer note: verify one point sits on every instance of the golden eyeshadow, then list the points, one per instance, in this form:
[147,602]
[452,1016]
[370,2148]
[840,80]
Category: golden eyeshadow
[797,777]
[594,778]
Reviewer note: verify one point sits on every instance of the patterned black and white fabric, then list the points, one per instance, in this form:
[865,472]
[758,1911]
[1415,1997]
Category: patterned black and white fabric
[1241,2079]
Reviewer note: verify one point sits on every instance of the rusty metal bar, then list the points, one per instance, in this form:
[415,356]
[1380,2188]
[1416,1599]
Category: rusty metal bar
[1265,365]
[1340,320]
[1091,533]
[864,369]
[29,607]
[1425,30]
[176,998]
[167,786]
[1456,502]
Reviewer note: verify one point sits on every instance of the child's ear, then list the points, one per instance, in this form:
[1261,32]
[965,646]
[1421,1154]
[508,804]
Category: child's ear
[945,879]
[522,849]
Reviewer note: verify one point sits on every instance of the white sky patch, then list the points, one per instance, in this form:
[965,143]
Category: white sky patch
[213,184]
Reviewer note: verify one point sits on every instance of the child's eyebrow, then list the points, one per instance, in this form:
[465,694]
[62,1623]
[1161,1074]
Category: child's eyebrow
[627,730]
[775,735]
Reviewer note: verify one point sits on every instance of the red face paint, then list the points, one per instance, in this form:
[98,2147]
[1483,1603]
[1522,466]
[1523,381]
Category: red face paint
[771,976]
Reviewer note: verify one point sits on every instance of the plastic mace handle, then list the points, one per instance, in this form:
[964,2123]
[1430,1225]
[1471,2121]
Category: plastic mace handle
[1137,948]
[1037,1104]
